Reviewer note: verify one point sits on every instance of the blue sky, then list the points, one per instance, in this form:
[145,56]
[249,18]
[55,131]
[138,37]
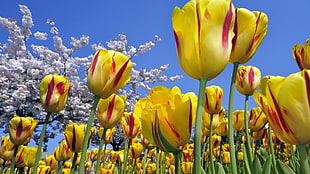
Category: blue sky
[141,20]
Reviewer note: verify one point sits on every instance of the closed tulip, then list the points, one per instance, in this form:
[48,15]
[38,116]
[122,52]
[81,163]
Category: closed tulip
[301,54]
[74,135]
[250,29]
[213,99]
[21,129]
[203,32]
[108,135]
[257,119]
[216,120]
[259,135]
[226,157]
[238,120]
[131,125]
[54,91]
[287,106]
[168,121]
[51,161]
[248,79]
[63,151]
[20,156]
[135,150]
[7,148]
[187,167]
[222,129]
[30,155]
[110,110]
[108,72]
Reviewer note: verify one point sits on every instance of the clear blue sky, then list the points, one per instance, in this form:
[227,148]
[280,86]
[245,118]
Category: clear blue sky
[140,20]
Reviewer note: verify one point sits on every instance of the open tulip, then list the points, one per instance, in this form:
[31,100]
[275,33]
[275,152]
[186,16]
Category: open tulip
[21,129]
[54,91]
[301,54]
[248,79]
[7,148]
[203,32]
[287,106]
[108,72]
[213,99]
[250,29]
[74,135]
[110,110]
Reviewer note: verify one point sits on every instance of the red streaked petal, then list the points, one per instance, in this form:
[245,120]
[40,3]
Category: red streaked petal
[251,77]
[50,90]
[226,26]
[120,73]
[307,80]
[110,108]
[19,128]
[94,64]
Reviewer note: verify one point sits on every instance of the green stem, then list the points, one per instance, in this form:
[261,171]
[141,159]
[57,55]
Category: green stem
[303,157]
[74,163]
[212,169]
[198,126]
[60,167]
[271,150]
[126,158]
[13,159]
[87,134]
[39,153]
[178,159]
[233,163]
[144,160]
[157,161]
[246,128]
[100,150]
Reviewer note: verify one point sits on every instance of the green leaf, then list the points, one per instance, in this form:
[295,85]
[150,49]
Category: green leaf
[267,165]
[219,168]
[256,166]
[282,168]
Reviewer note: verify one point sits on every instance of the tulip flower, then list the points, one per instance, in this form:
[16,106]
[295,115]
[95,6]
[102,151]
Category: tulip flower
[250,29]
[20,156]
[226,157]
[30,155]
[222,129]
[187,167]
[238,120]
[131,125]
[74,135]
[54,91]
[108,135]
[135,150]
[7,148]
[257,119]
[110,110]
[301,54]
[63,151]
[21,129]
[51,161]
[248,79]
[108,72]
[258,135]
[216,120]
[213,99]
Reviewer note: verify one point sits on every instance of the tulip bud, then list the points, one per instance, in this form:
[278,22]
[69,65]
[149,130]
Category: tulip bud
[226,157]
[54,91]
[21,129]
[7,148]
[213,99]
[30,155]
[136,150]
[238,120]
[63,152]
[74,135]
[216,120]
[257,120]
[250,29]
[240,156]
[248,79]
[131,125]
[301,54]
[222,129]
[108,134]
[108,72]
[110,110]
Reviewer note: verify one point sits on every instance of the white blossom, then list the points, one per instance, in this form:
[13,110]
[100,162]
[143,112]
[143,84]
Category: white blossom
[40,36]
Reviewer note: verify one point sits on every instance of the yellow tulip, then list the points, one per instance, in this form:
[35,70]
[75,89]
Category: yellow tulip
[54,91]
[248,79]
[135,150]
[217,119]
[63,152]
[301,54]
[7,148]
[286,105]
[108,72]
[257,119]
[258,135]
[203,32]
[222,129]
[213,99]
[108,135]
[21,129]
[30,155]
[187,167]
[250,29]
[238,120]
[51,161]
[110,110]
[131,125]
[74,135]
[20,156]
[226,157]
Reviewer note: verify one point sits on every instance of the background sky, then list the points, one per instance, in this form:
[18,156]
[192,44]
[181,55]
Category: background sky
[141,20]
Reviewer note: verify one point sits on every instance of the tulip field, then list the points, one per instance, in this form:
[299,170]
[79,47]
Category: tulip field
[168,131]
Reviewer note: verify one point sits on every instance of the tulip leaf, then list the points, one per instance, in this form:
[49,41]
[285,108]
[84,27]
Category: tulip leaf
[267,165]
[219,168]
[282,168]
[257,166]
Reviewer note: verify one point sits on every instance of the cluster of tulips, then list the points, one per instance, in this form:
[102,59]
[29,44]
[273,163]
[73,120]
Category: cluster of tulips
[209,34]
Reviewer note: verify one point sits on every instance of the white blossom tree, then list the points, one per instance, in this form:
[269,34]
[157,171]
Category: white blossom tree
[23,64]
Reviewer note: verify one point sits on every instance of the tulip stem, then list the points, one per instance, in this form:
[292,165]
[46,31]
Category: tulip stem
[303,157]
[145,160]
[74,163]
[87,134]
[233,163]
[13,159]
[38,154]
[275,171]
[100,150]
[248,150]
[212,169]
[60,167]
[198,126]
[178,159]
[126,157]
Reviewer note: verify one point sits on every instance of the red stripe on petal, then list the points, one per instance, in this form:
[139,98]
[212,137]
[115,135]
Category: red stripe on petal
[19,128]
[256,36]
[234,40]
[307,80]
[50,90]
[178,44]
[226,26]
[177,135]
[131,124]
[110,108]
[251,77]
[190,122]
[120,73]
[73,138]
[61,87]
[94,64]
